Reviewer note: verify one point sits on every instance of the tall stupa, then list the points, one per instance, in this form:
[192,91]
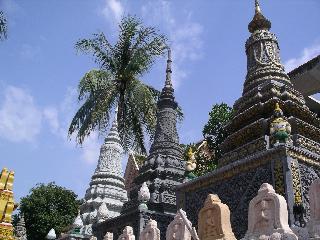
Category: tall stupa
[273,138]
[106,193]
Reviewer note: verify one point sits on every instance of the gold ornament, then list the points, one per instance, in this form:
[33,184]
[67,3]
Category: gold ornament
[6,204]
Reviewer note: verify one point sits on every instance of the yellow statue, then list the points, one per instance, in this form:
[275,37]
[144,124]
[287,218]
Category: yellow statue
[6,204]
[3,178]
[191,162]
[280,128]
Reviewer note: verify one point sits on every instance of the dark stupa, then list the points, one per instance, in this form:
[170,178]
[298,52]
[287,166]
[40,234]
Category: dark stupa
[273,138]
[162,172]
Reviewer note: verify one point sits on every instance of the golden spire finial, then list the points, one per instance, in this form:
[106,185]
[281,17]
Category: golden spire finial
[190,153]
[259,21]
[257,6]
[277,108]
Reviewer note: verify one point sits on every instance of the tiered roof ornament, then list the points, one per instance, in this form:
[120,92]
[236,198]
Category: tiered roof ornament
[272,138]
[159,174]
[258,22]
[266,85]
[164,167]
[107,183]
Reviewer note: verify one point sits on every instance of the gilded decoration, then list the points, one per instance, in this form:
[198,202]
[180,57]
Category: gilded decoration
[278,177]
[244,151]
[191,162]
[280,128]
[296,182]
[304,157]
[230,171]
[6,204]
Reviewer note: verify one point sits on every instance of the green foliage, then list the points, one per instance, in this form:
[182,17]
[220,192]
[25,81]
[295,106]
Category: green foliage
[3,26]
[48,206]
[117,83]
[214,131]
[204,160]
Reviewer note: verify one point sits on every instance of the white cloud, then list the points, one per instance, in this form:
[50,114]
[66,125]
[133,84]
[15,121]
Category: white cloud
[59,118]
[51,115]
[185,36]
[20,118]
[306,55]
[113,10]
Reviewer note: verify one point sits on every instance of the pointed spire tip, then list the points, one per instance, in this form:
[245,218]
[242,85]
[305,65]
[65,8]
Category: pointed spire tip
[168,82]
[257,6]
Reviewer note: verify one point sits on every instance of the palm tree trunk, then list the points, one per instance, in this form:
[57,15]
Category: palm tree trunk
[121,110]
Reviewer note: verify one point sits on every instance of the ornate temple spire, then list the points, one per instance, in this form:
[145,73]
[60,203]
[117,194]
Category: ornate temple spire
[166,130]
[258,22]
[111,141]
[167,94]
[168,83]
[107,183]
[113,135]
[263,54]
[164,168]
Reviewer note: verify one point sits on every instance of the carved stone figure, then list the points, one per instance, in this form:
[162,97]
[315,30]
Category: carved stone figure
[127,234]
[51,234]
[143,197]
[103,213]
[144,193]
[314,223]
[178,229]
[214,220]
[108,236]
[268,216]
[280,128]
[20,229]
[191,165]
[150,232]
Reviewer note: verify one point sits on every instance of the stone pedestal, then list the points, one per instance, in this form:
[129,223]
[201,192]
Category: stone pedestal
[127,234]
[214,220]
[314,222]
[268,216]
[137,220]
[178,229]
[150,232]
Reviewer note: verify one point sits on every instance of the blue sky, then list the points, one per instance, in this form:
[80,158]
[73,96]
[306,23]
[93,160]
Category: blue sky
[40,70]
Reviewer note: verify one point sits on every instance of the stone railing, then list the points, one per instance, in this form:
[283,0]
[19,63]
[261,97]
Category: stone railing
[267,220]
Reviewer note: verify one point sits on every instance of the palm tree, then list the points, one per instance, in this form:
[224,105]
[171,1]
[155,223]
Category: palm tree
[117,83]
[3,26]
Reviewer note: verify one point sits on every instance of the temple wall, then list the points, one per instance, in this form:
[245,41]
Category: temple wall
[235,191]
[137,220]
[308,174]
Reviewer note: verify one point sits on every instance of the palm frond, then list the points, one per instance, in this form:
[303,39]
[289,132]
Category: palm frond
[99,94]
[101,49]
[137,47]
